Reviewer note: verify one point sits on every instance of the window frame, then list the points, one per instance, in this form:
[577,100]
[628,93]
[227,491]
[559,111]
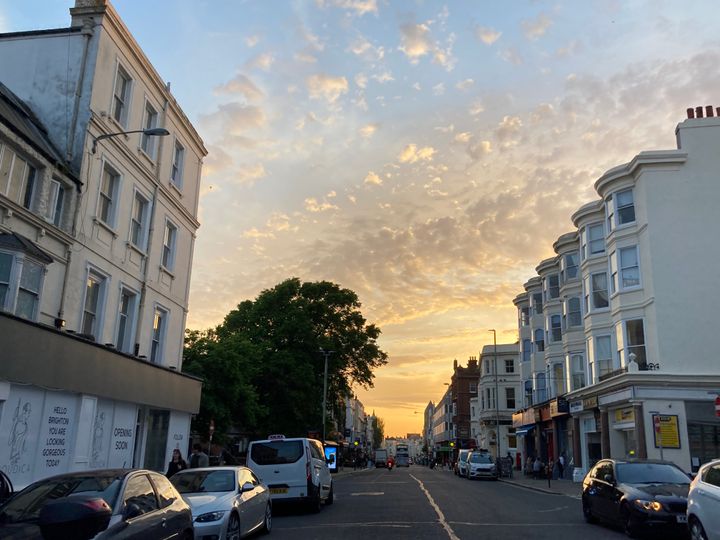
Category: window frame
[570,261]
[577,359]
[14,284]
[113,199]
[24,194]
[157,352]
[620,209]
[595,293]
[177,170]
[509,363]
[554,322]
[168,262]
[130,322]
[103,279]
[148,143]
[56,203]
[593,240]
[539,345]
[510,400]
[537,306]
[143,224]
[125,100]
[602,366]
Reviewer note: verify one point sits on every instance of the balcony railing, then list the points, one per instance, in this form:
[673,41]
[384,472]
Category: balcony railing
[613,373]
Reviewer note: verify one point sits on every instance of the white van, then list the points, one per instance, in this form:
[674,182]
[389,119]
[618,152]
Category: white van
[294,469]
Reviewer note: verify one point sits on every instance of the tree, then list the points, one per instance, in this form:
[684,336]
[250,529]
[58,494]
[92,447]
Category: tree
[271,348]
[378,432]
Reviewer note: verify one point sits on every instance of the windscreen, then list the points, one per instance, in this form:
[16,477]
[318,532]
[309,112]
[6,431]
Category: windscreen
[650,473]
[276,452]
[480,458]
[204,481]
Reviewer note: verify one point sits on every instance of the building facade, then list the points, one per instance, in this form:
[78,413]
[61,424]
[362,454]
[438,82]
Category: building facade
[463,387]
[99,250]
[627,337]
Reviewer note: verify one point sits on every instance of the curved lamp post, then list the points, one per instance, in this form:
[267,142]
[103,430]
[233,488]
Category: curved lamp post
[153,132]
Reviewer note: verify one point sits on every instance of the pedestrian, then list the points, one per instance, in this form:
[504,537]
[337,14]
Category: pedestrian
[198,458]
[537,467]
[177,463]
[561,465]
[529,466]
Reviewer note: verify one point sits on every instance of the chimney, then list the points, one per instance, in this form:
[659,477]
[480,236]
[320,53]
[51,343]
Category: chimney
[699,112]
[709,111]
[690,112]
[472,363]
[455,364]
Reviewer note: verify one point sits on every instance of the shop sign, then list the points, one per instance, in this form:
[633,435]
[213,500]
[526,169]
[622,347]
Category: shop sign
[530,416]
[545,413]
[666,430]
[517,419]
[558,407]
[576,406]
[590,402]
[624,415]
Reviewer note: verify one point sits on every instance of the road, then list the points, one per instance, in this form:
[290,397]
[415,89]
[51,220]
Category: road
[419,503]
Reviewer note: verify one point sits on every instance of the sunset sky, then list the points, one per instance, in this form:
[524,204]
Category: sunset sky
[424,154]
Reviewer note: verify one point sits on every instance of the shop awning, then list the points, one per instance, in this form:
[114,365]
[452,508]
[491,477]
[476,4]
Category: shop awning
[524,430]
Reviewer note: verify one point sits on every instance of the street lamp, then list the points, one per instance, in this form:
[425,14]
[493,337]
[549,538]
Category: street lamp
[497,397]
[326,354]
[152,132]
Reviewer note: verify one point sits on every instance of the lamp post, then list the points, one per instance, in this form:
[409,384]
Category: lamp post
[497,396]
[152,132]
[326,354]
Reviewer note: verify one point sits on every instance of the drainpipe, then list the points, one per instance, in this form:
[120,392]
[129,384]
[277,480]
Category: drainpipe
[87,32]
[151,229]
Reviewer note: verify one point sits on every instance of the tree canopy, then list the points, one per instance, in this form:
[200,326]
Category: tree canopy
[263,369]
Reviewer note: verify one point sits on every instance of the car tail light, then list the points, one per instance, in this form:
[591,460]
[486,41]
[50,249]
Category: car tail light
[307,469]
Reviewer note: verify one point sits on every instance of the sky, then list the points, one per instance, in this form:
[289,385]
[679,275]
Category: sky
[424,154]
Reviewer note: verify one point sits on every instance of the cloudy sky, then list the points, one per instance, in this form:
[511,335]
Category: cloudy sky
[424,154]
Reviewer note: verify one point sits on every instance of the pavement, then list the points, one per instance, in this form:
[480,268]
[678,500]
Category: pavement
[554,487]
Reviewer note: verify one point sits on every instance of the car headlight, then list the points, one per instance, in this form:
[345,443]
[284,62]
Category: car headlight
[209,516]
[650,506]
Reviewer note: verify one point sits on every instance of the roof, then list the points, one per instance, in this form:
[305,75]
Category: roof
[16,242]
[20,118]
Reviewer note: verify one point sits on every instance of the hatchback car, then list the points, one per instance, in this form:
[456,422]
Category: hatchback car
[638,495]
[703,511]
[102,504]
[481,465]
[226,502]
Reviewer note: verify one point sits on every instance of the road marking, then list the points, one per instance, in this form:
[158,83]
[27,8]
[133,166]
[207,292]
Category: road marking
[367,493]
[485,523]
[441,516]
[385,524]
[553,509]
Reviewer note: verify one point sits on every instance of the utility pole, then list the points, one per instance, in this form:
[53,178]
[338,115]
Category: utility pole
[497,397]
[326,354]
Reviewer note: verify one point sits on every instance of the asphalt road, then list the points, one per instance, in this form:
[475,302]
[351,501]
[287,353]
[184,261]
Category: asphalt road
[422,504]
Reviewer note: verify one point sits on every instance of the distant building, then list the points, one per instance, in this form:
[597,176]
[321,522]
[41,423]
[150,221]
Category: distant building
[356,425]
[463,387]
[96,241]
[616,330]
[443,430]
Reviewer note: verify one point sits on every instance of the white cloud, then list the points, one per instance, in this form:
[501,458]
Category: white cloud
[416,41]
[439,89]
[534,29]
[487,35]
[358,7]
[463,137]
[368,130]
[305,58]
[251,41]
[411,153]
[326,87]
[508,128]
[464,85]
[383,77]
[511,55]
[373,179]
[361,80]
[242,85]
[479,150]
[366,50]
[262,61]
[234,118]
[312,205]
[476,108]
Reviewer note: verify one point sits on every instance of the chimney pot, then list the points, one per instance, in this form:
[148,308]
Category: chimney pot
[709,111]
[717,111]
[699,112]
[691,112]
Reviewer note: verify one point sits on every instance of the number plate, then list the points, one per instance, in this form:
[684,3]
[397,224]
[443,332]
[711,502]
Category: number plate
[278,491]
[681,519]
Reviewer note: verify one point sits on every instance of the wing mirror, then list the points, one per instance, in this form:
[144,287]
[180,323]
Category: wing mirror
[132,510]
[247,486]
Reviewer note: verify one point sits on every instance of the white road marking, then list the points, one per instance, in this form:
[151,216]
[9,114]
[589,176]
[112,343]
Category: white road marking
[485,523]
[553,509]
[441,516]
[367,493]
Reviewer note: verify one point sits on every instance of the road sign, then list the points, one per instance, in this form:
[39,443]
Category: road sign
[717,406]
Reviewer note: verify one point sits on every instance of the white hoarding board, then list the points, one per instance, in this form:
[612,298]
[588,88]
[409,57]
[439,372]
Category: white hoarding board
[122,438]
[57,434]
[19,430]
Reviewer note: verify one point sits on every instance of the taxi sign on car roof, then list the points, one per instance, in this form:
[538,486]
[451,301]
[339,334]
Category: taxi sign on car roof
[275,437]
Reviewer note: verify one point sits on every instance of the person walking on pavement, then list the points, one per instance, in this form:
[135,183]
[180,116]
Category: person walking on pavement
[177,463]
[198,458]
[561,465]
[537,468]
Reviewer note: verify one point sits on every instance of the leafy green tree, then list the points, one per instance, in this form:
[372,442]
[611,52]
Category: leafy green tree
[378,432]
[271,349]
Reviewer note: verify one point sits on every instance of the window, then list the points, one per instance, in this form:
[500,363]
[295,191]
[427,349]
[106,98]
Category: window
[6,265]
[109,185]
[625,207]
[595,239]
[168,251]
[56,203]
[487,367]
[158,335]
[510,398]
[540,392]
[509,366]
[538,303]
[139,491]
[528,392]
[94,297]
[21,281]
[577,369]
[121,96]
[524,316]
[599,290]
[148,142]
[603,356]
[573,312]
[558,375]
[539,340]
[473,388]
[553,286]
[570,266]
[126,320]
[555,328]
[526,350]
[17,177]
[176,173]
[629,269]
[139,221]
[635,336]
[490,398]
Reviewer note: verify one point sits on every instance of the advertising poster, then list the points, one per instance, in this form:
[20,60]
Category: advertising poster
[101,433]
[57,434]
[19,431]
[122,436]
[178,433]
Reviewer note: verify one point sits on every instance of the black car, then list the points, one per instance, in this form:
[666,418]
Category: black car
[103,504]
[638,495]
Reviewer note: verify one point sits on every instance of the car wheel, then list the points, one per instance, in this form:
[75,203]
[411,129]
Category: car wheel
[233,530]
[315,502]
[587,512]
[697,532]
[629,525]
[267,522]
[331,496]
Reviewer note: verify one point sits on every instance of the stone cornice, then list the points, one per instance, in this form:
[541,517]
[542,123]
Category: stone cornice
[633,168]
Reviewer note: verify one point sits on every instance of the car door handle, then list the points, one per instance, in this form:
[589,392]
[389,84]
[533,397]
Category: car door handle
[164,522]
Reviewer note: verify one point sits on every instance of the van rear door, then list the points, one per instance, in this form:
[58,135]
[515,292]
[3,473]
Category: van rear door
[281,464]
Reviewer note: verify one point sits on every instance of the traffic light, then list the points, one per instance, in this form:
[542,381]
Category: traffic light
[356,443]
[452,444]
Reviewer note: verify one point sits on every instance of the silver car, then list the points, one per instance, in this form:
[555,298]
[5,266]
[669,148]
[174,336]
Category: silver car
[481,465]
[226,502]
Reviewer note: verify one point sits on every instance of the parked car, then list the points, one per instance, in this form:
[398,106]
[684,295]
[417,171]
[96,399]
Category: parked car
[101,504]
[638,495]
[461,465]
[226,502]
[481,465]
[294,470]
[703,510]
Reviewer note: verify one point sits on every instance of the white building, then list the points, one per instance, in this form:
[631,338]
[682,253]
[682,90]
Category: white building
[631,357]
[356,424]
[99,250]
